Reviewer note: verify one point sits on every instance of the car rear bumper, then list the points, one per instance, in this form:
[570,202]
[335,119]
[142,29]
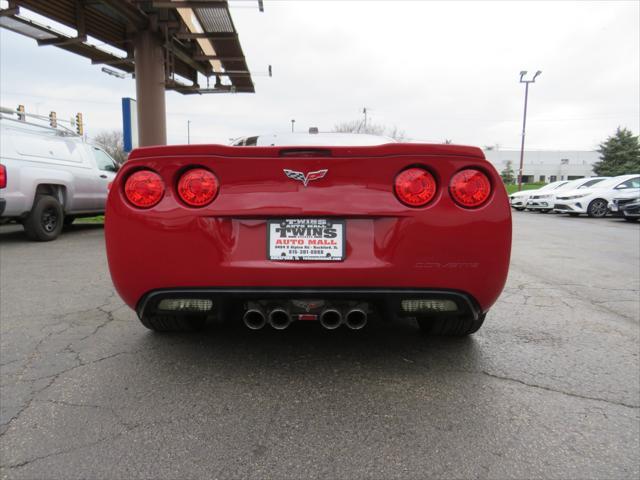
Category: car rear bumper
[388,303]
[466,253]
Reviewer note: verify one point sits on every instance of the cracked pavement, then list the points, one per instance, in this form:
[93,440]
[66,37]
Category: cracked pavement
[549,387]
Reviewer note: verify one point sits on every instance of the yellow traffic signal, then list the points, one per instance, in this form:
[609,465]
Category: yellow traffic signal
[53,119]
[79,125]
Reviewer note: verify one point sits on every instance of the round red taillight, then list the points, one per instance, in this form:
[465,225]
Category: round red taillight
[144,188]
[470,188]
[198,187]
[415,187]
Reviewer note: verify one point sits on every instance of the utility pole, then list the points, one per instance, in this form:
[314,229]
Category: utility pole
[293,122]
[524,121]
[364,111]
[188,132]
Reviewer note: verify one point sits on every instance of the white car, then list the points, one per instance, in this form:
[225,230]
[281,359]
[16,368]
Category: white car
[594,201]
[544,201]
[518,200]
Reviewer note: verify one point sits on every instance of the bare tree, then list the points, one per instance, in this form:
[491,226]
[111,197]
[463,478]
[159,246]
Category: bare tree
[112,142]
[358,126]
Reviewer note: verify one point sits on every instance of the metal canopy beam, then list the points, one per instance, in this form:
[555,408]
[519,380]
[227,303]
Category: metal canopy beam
[190,4]
[62,41]
[216,57]
[206,35]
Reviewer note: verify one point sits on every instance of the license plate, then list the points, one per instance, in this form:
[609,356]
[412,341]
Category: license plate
[306,239]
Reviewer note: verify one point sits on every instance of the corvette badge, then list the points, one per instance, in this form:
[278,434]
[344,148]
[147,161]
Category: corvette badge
[305,179]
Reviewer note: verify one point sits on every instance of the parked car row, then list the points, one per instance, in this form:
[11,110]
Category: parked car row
[49,176]
[593,196]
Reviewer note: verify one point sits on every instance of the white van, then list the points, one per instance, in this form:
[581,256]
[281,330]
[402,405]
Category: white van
[49,176]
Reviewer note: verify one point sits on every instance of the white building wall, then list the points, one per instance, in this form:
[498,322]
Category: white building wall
[547,166]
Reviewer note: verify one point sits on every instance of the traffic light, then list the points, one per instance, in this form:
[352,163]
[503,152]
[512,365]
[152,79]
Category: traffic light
[79,124]
[21,115]
[53,119]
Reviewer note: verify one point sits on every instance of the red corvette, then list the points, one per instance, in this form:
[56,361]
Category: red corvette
[333,234]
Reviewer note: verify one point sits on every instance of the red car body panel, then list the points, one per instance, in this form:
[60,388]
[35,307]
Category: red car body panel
[388,244]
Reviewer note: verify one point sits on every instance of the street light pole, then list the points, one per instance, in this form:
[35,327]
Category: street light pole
[293,122]
[188,132]
[524,121]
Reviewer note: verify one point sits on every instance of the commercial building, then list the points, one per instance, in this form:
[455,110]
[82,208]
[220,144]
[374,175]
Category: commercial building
[546,166]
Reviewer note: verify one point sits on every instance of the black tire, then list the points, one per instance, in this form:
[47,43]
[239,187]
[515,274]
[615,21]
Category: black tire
[68,220]
[173,323]
[45,220]
[545,210]
[520,209]
[597,208]
[451,327]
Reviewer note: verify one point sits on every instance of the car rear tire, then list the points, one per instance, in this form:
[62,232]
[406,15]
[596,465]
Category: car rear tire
[173,323]
[597,208]
[45,220]
[450,327]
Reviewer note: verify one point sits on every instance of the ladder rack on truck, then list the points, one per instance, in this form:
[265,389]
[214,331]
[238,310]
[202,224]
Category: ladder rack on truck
[43,121]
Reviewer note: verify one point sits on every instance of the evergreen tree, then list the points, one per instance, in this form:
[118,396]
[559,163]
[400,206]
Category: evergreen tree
[619,154]
[508,175]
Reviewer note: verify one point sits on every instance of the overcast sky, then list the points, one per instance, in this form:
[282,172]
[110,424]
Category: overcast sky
[437,70]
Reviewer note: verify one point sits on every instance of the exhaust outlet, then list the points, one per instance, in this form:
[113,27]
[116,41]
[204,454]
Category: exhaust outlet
[331,319]
[279,318]
[254,319]
[356,319]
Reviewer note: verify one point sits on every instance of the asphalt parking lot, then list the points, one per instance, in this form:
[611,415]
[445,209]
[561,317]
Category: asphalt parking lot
[550,387]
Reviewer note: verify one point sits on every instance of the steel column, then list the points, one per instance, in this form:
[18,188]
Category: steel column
[150,79]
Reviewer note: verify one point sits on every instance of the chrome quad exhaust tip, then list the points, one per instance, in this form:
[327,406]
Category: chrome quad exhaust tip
[331,318]
[254,319]
[279,318]
[356,319]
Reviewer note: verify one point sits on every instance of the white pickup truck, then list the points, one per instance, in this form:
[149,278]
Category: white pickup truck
[49,176]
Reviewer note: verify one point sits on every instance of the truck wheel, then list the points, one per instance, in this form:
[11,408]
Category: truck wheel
[45,220]
[173,323]
[597,208]
[451,327]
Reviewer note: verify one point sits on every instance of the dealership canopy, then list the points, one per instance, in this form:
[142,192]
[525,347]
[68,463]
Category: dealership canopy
[190,46]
